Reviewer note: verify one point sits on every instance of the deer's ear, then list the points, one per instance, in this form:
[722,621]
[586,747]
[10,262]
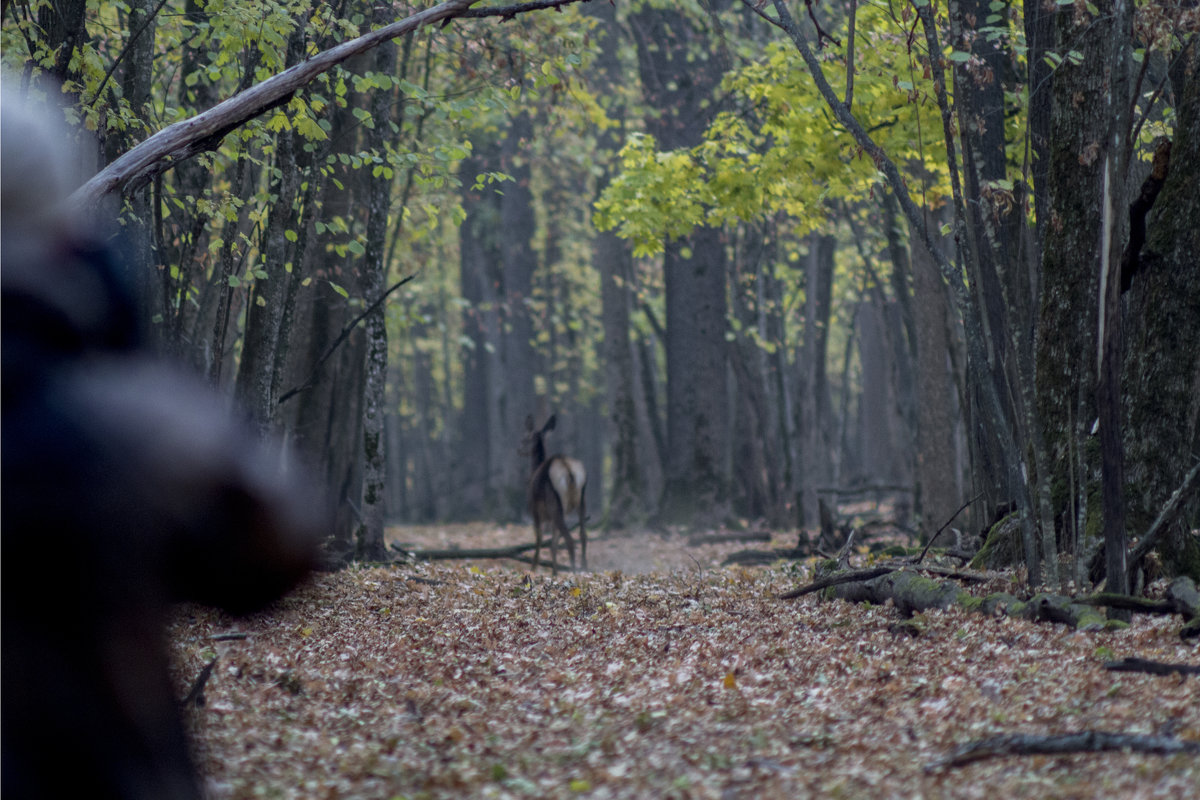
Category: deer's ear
[529,423]
[549,426]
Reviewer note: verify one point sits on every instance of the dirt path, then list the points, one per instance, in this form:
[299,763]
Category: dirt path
[629,552]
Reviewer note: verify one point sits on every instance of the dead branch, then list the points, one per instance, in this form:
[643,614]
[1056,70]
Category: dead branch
[1126,602]
[958,574]
[1165,517]
[945,525]
[460,553]
[1151,667]
[723,538]
[311,380]
[1085,742]
[1180,598]
[196,695]
[752,557]
[843,556]
[852,576]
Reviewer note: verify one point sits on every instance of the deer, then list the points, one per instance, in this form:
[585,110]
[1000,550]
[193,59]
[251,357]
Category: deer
[556,488]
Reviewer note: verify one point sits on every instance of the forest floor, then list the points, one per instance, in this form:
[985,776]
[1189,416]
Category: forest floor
[658,674]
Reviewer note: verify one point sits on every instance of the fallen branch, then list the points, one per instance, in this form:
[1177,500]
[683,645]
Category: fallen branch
[1180,598]
[853,576]
[957,574]
[1084,742]
[945,525]
[723,538]
[1142,605]
[759,557]
[1165,517]
[196,695]
[1151,667]
[460,553]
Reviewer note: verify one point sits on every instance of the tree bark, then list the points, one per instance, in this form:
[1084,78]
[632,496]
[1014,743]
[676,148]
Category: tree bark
[669,42]
[514,379]
[369,535]
[1067,328]
[1161,377]
[478,270]
[628,497]
[936,421]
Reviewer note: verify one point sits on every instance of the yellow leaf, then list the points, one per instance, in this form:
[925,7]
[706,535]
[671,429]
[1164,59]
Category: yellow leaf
[730,681]
[576,591]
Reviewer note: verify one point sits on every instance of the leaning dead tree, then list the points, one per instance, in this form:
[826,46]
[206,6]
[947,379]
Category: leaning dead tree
[205,131]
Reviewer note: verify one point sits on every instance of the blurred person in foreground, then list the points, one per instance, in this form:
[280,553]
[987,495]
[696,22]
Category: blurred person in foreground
[125,488]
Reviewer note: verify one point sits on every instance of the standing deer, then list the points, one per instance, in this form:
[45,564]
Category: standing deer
[556,487]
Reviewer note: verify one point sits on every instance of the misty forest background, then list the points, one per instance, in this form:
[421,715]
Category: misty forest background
[754,254]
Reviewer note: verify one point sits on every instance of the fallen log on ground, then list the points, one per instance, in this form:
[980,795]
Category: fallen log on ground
[845,577]
[1084,742]
[911,592]
[730,536]
[754,558]
[459,553]
[1151,667]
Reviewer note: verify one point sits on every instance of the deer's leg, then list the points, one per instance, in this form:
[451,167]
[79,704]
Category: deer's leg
[582,532]
[537,533]
[566,535]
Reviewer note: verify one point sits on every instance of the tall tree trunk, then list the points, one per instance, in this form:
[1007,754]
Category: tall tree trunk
[515,379]
[936,457]
[815,400]
[1066,338]
[256,381]
[478,266]
[1039,39]
[671,48]
[628,498]
[64,24]
[140,233]
[697,412]
[1162,368]
[369,544]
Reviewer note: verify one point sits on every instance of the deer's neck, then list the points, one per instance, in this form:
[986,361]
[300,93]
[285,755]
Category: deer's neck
[538,455]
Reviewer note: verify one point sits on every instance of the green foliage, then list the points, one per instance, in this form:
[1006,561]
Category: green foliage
[779,150]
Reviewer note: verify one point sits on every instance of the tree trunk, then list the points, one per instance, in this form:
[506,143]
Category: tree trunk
[1066,338]
[628,499]
[697,413]
[369,536]
[936,473]
[1161,379]
[677,80]
[519,362]
[814,421]
[478,267]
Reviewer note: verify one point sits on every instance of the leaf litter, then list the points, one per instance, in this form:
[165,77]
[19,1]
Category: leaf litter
[658,674]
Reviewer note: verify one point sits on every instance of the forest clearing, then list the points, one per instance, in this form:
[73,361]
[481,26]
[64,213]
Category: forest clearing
[660,674]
